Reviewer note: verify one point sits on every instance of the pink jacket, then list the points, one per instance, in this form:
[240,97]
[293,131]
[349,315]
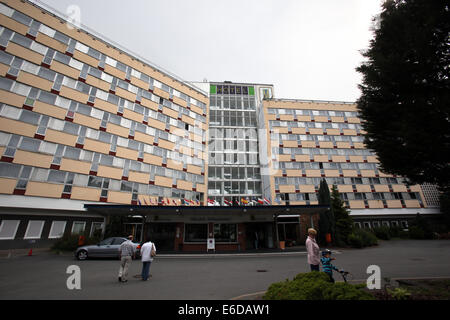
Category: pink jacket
[313,251]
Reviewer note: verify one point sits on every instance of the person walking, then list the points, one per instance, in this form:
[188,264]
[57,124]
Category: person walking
[313,250]
[148,251]
[126,251]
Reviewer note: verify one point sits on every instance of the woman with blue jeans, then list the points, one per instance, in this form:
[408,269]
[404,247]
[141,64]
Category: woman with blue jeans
[146,258]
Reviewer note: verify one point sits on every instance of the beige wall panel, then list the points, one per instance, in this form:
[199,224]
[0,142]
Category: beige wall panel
[127,153]
[163,181]
[100,84]
[156,124]
[75,166]
[290,144]
[415,188]
[152,159]
[42,189]
[17,127]
[24,53]
[331,173]
[394,203]
[174,164]
[286,117]
[321,118]
[333,132]
[179,102]
[356,204]
[96,146]
[50,110]
[12,99]
[270,117]
[13,25]
[363,188]
[161,93]
[343,144]
[349,132]
[201,187]
[64,69]
[194,169]
[375,204]
[73,94]
[318,131]
[287,189]
[384,175]
[345,188]
[187,119]
[308,144]
[119,197]
[372,159]
[80,56]
[186,150]
[412,203]
[32,159]
[302,158]
[114,72]
[284,157]
[133,115]
[117,130]
[138,82]
[298,203]
[142,137]
[367,173]
[320,158]
[197,110]
[149,104]
[3,69]
[304,118]
[337,119]
[298,130]
[105,106]
[356,159]
[313,173]
[350,173]
[61,138]
[171,113]
[138,177]
[280,130]
[399,188]
[86,194]
[86,121]
[125,94]
[7,186]
[306,188]
[353,120]
[326,144]
[51,43]
[381,188]
[34,81]
[185,185]
[294,173]
[109,172]
[166,144]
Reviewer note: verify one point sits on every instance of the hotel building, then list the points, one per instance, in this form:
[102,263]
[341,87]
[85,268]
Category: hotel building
[89,130]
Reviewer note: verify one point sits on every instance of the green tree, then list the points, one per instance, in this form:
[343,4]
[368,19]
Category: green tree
[343,221]
[405,90]
[326,221]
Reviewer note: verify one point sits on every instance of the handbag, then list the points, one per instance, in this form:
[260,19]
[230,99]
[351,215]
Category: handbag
[153,252]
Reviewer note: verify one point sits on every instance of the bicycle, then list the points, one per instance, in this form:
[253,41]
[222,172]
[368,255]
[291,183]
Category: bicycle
[346,275]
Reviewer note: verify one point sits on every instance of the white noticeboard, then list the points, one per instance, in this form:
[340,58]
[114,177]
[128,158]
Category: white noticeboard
[211,244]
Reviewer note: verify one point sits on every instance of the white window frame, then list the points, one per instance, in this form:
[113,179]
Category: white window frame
[386,224]
[404,224]
[394,223]
[73,226]
[42,222]
[52,227]
[367,222]
[376,224]
[15,229]
[92,227]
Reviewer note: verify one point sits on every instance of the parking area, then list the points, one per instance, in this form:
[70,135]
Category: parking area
[205,277]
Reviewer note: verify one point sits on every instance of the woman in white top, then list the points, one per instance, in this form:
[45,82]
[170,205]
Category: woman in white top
[146,258]
[313,250]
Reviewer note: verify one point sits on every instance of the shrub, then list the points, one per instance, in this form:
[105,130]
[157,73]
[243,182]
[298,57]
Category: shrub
[416,233]
[69,242]
[382,233]
[361,238]
[314,286]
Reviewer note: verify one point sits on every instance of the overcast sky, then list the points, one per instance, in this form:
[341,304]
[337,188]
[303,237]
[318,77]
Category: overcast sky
[308,49]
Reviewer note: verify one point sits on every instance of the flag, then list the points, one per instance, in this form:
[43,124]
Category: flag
[228,203]
[267,201]
[186,202]
[244,201]
[139,201]
[260,201]
[174,202]
[145,202]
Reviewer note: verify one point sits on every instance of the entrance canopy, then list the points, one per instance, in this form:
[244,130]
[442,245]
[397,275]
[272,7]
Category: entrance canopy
[206,213]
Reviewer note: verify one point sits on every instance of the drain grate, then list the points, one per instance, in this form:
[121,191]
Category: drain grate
[261,270]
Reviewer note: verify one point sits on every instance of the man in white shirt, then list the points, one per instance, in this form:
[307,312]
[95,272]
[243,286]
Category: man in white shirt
[146,258]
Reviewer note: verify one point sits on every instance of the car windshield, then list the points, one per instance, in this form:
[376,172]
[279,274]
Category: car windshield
[118,241]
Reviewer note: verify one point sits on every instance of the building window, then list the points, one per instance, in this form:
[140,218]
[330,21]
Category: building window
[357,225]
[78,227]
[8,229]
[225,232]
[366,225]
[195,232]
[97,227]
[34,229]
[404,224]
[57,229]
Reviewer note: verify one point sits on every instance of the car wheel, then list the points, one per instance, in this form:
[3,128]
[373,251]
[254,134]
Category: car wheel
[82,255]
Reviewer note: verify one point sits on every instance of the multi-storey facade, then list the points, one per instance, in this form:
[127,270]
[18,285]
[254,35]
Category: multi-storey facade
[313,140]
[82,121]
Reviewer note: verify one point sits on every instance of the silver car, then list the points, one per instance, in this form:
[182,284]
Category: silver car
[107,248]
